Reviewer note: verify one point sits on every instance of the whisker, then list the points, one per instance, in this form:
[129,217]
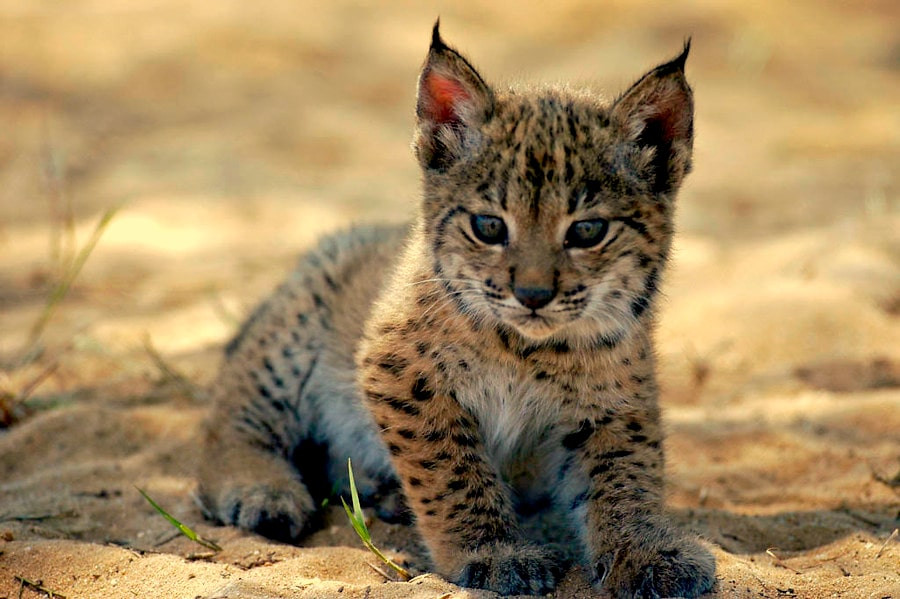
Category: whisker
[564,310]
[445,300]
[440,280]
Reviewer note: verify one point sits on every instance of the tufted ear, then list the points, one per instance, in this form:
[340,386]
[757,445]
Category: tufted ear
[453,102]
[658,112]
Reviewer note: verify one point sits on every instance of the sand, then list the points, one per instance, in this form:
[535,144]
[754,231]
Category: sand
[233,134]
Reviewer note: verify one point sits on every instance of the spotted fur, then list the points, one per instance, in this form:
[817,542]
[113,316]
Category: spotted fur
[504,378]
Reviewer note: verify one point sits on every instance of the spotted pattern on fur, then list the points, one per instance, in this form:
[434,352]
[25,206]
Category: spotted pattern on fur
[520,435]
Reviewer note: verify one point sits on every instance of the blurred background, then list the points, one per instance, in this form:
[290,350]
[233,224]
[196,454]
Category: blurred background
[163,163]
[203,145]
[231,134]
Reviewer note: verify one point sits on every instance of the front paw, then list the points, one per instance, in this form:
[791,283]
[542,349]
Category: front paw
[664,567]
[283,510]
[514,570]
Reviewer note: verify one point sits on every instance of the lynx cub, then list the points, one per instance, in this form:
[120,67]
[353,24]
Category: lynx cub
[504,367]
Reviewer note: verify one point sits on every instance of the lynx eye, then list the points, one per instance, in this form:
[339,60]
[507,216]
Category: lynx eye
[489,229]
[586,233]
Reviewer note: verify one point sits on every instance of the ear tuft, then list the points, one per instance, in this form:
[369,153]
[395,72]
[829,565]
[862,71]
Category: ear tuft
[453,102]
[681,59]
[658,112]
[436,42]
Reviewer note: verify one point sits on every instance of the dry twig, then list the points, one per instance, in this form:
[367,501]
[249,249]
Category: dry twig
[893,482]
[12,402]
[65,282]
[380,571]
[779,562]
[170,373]
[37,586]
[887,541]
[38,517]
[200,556]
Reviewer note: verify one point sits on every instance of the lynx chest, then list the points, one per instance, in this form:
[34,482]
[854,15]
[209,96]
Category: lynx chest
[516,414]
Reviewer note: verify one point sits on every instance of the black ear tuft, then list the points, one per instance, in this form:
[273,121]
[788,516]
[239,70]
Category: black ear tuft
[453,102]
[436,42]
[658,112]
[681,59]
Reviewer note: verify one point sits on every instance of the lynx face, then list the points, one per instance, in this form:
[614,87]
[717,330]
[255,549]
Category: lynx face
[549,244]
[564,233]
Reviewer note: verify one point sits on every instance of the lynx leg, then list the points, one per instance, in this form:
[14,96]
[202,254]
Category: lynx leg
[254,488]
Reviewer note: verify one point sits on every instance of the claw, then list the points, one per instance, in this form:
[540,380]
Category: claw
[474,575]
[648,586]
[603,567]
[514,571]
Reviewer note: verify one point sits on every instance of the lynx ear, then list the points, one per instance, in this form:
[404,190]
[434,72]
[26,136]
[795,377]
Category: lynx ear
[453,101]
[658,112]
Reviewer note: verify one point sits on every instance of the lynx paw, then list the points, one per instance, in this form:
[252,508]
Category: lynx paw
[675,567]
[512,570]
[284,512]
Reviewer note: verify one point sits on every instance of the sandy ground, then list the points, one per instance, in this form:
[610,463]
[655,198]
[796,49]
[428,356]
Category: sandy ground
[232,134]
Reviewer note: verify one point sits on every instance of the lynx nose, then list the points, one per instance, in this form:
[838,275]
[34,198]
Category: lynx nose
[534,298]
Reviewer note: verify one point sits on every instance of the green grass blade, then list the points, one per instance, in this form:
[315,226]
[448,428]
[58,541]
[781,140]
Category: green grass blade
[181,527]
[358,525]
[357,508]
[358,522]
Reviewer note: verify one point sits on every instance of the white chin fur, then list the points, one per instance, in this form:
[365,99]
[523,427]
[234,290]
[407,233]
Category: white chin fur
[536,331]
